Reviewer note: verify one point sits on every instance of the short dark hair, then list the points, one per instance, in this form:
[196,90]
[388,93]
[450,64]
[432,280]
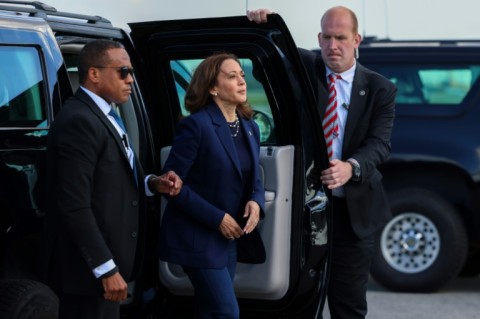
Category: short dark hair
[94,53]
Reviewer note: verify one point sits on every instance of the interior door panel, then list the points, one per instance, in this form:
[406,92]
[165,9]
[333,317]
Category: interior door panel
[270,280]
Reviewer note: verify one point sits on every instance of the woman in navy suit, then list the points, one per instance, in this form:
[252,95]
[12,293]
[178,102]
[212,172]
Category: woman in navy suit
[216,154]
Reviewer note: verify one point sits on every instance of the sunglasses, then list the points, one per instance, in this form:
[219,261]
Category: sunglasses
[123,70]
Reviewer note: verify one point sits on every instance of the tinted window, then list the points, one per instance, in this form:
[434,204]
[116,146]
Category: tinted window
[182,73]
[21,86]
[430,84]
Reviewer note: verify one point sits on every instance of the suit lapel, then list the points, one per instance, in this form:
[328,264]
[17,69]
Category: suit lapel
[224,135]
[322,88]
[82,96]
[249,133]
[358,102]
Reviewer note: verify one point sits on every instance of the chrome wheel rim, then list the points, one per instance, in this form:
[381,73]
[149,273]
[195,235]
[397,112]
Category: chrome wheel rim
[410,243]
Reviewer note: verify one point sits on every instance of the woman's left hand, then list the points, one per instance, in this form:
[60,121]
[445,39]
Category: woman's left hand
[252,212]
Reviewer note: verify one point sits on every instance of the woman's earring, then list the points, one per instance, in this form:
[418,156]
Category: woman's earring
[214,94]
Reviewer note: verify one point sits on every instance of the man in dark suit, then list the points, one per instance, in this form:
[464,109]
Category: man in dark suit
[357,131]
[97,190]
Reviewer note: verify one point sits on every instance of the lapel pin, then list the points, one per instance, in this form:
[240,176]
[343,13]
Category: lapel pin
[362,92]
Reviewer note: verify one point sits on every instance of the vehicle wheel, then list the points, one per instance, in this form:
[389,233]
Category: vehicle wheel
[27,299]
[423,247]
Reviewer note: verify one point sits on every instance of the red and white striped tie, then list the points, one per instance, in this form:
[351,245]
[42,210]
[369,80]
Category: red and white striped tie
[330,119]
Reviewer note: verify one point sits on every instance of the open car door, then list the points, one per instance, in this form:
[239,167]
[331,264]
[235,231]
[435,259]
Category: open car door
[292,281]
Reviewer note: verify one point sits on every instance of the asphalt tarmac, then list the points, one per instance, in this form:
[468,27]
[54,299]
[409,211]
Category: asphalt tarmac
[458,300]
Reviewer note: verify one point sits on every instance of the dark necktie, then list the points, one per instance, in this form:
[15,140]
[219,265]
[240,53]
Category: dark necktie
[125,139]
[330,119]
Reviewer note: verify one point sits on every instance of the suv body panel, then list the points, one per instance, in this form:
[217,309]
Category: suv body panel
[435,134]
[22,142]
[434,153]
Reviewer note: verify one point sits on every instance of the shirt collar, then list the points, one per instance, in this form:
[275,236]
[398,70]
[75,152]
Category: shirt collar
[101,103]
[347,75]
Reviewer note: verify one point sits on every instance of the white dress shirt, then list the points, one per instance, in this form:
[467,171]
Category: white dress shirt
[343,87]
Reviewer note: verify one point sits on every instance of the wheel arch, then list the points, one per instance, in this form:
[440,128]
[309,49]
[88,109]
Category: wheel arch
[442,177]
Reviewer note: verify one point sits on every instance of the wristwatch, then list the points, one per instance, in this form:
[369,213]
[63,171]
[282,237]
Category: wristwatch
[356,172]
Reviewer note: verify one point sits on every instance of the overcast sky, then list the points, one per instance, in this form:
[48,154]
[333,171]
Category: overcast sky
[397,19]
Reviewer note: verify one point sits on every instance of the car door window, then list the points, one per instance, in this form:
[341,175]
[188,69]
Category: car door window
[182,73]
[446,86]
[431,84]
[22,102]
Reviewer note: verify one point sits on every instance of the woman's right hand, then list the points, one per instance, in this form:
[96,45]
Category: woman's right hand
[230,228]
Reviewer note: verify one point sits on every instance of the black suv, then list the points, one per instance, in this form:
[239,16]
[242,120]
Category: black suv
[38,52]
[433,175]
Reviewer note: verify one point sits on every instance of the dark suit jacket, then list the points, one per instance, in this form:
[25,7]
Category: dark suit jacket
[95,209]
[367,139]
[204,156]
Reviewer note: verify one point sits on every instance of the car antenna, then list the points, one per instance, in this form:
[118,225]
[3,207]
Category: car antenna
[386,19]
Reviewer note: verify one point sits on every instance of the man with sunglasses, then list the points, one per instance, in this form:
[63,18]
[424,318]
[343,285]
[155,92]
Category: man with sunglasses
[94,229]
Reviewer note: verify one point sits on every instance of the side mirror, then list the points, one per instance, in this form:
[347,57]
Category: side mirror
[265,125]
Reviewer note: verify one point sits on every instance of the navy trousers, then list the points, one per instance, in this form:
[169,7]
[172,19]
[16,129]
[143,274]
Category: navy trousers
[214,293]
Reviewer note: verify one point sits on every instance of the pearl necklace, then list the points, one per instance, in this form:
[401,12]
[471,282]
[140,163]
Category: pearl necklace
[235,125]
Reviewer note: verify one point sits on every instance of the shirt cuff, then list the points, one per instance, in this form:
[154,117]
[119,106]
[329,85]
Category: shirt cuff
[148,192]
[104,268]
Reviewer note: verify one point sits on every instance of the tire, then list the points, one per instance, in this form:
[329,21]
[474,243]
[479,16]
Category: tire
[423,247]
[27,299]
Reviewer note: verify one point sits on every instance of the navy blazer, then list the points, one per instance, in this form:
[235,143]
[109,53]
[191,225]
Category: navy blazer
[367,139]
[203,154]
